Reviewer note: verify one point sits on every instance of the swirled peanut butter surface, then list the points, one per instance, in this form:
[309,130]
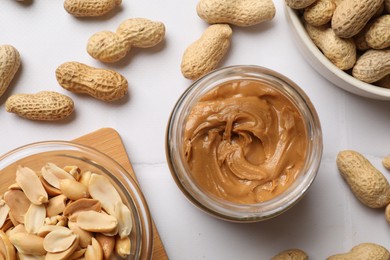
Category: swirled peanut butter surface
[245,142]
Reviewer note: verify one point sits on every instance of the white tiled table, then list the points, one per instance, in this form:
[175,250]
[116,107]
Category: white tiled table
[328,220]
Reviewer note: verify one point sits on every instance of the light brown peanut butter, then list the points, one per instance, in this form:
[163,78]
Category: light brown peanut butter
[245,142]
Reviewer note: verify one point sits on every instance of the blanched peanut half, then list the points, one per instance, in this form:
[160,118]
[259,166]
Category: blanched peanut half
[125,223]
[62,221]
[123,246]
[16,229]
[94,251]
[14,186]
[46,229]
[51,191]
[28,243]
[101,189]
[74,171]
[32,187]
[96,222]
[6,248]
[59,240]
[30,257]
[84,178]
[18,204]
[53,174]
[78,254]
[73,189]
[85,236]
[107,243]
[34,218]
[56,205]
[64,254]
[7,225]
[4,210]
[72,209]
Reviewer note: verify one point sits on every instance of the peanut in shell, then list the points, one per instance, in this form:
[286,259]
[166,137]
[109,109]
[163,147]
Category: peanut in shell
[367,183]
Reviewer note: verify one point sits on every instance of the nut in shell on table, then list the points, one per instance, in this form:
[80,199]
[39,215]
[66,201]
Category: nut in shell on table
[9,65]
[44,105]
[203,55]
[102,84]
[291,254]
[366,251]
[90,8]
[367,183]
[107,46]
[240,13]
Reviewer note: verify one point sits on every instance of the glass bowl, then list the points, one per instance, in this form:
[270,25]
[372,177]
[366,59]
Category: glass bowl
[64,153]
[222,208]
[326,68]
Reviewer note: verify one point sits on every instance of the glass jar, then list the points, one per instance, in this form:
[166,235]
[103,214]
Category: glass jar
[63,153]
[221,208]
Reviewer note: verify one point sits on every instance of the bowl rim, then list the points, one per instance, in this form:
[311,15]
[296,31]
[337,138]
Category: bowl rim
[136,196]
[319,62]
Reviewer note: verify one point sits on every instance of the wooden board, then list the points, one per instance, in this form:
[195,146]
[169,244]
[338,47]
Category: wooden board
[108,141]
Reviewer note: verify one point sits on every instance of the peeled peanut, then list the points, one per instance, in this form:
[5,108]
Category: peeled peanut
[124,217]
[109,46]
[84,236]
[100,188]
[107,243]
[34,218]
[9,65]
[94,251]
[123,246]
[6,249]
[58,240]
[73,189]
[366,182]
[240,13]
[86,8]
[203,55]
[364,251]
[28,243]
[72,209]
[56,205]
[341,52]
[63,255]
[18,204]
[106,85]
[44,105]
[372,66]
[291,254]
[96,222]
[350,16]
[54,174]
[32,187]
[4,210]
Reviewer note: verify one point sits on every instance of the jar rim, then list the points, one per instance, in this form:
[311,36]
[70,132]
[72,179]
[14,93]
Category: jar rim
[225,209]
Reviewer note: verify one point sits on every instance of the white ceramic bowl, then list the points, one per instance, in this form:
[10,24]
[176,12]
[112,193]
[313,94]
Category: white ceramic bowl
[323,66]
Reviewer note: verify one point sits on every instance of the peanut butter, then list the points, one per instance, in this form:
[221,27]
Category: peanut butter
[245,142]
